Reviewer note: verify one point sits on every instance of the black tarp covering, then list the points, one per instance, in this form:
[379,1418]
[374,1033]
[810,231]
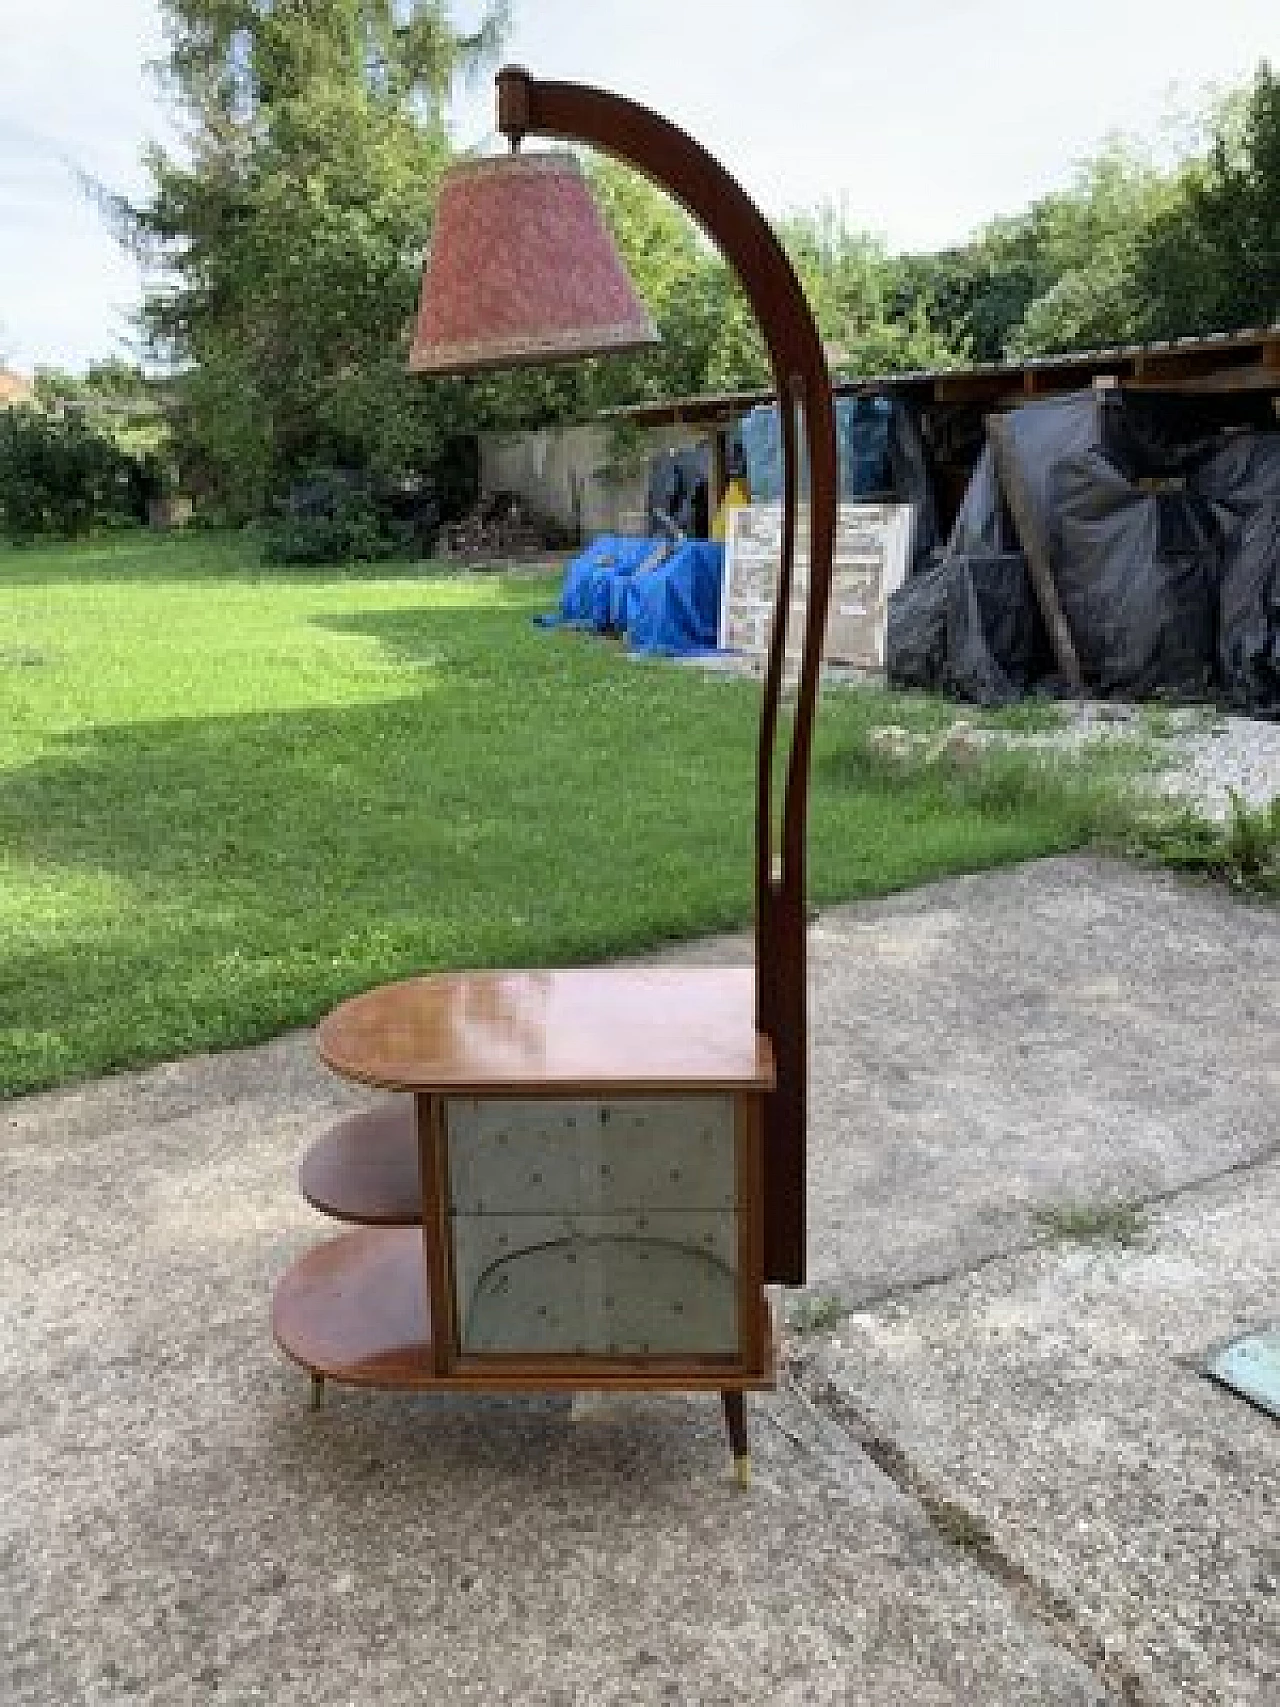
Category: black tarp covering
[1242,481]
[983,525]
[1163,534]
[916,628]
[1136,574]
[678,492]
[911,479]
[996,640]
[1244,470]
[1151,434]
[1249,613]
[968,625]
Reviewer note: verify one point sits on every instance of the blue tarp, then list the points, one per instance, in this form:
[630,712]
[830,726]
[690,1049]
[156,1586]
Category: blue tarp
[676,609]
[663,595]
[864,427]
[595,582]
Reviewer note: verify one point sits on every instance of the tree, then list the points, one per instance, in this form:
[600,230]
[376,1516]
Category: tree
[60,475]
[710,338]
[1083,244]
[849,280]
[1057,277]
[1211,261]
[971,296]
[1128,251]
[695,301]
[293,234]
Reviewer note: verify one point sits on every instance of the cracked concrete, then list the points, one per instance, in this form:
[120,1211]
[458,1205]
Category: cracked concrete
[1073,1514]
[1058,1395]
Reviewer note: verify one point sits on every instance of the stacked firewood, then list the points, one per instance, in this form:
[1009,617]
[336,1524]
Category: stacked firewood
[501,525]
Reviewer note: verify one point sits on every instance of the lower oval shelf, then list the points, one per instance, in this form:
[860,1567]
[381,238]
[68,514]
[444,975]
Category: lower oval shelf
[365,1168]
[355,1309]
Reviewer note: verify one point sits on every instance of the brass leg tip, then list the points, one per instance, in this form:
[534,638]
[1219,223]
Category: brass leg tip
[317,1392]
[742,1470]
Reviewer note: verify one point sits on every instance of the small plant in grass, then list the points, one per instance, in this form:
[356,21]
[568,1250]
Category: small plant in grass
[1157,722]
[1252,841]
[1245,851]
[1092,1224]
[1027,717]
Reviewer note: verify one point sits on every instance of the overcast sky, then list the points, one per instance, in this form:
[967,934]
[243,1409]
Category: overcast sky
[922,118]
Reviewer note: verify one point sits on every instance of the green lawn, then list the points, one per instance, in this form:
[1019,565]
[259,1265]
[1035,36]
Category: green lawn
[228,798]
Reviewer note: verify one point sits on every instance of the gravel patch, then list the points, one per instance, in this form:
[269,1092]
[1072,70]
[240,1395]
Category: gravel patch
[1205,753]
[1225,753]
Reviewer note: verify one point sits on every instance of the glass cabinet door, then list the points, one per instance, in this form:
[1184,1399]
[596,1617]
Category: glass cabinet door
[597,1228]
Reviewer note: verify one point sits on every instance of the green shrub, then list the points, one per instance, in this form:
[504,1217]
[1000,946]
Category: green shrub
[337,516]
[58,476]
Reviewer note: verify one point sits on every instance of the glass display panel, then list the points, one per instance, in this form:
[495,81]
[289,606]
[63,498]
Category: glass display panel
[596,1228]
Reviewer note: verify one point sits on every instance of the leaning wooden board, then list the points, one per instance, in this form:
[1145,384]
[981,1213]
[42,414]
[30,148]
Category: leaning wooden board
[872,555]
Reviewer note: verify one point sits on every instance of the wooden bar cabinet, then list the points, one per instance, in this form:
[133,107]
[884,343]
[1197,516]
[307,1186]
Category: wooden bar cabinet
[572,1198]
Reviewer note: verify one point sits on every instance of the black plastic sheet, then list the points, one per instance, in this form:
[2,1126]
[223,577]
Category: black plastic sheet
[1242,481]
[1136,573]
[678,492]
[911,480]
[1249,612]
[996,644]
[915,648]
[1153,434]
[1161,522]
[983,525]
[1243,471]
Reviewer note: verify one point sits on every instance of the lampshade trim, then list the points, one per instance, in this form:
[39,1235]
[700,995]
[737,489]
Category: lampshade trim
[545,347]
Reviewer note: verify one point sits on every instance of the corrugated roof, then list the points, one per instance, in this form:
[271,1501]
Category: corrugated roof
[1214,363]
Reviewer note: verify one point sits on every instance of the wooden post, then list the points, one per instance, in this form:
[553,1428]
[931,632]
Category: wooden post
[1035,545]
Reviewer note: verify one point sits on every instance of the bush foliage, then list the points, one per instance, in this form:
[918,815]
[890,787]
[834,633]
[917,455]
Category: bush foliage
[61,477]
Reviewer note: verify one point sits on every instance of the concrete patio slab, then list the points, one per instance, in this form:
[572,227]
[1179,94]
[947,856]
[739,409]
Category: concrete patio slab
[177,1527]
[1074,1031]
[1059,1399]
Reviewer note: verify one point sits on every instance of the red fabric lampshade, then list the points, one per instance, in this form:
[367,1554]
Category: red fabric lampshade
[522,269]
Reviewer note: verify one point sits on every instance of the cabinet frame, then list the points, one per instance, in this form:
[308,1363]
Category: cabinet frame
[750,1362]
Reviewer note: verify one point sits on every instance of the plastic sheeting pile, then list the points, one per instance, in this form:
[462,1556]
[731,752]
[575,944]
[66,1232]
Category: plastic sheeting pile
[1173,591]
[663,595]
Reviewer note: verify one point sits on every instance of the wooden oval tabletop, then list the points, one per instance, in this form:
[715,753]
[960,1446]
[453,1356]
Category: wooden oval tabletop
[638,1029]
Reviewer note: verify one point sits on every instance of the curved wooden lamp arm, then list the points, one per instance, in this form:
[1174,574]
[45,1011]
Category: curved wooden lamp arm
[576,112]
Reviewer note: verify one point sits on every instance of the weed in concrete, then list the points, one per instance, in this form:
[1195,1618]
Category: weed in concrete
[961,1527]
[812,1313]
[1092,1224]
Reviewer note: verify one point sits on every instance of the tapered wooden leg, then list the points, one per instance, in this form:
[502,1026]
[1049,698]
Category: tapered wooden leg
[317,1391]
[735,1416]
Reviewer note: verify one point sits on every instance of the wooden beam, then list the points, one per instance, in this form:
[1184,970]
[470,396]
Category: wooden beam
[1221,382]
[1035,547]
[993,387]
